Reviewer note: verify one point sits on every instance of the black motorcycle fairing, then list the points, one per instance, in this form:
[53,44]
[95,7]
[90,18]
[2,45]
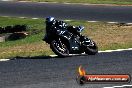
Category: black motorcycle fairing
[73,41]
[75,45]
[70,40]
[87,42]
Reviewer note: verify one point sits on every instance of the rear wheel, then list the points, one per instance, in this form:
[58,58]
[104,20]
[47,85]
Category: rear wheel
[92,49]
[59,48]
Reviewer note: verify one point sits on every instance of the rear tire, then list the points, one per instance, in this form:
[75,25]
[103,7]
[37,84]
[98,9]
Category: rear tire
[59,49]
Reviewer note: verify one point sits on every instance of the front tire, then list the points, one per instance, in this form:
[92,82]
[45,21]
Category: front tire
[59,48]
[92,49]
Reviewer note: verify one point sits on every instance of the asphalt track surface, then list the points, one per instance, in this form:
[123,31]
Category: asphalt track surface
[47,72]
[67,11]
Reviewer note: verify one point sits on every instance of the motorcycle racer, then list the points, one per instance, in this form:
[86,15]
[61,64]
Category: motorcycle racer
[51,23]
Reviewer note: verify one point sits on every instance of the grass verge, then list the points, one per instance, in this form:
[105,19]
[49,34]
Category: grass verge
[107,36]
[118,2]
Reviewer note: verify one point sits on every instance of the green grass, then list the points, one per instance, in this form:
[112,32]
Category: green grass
[107,36]
[123,2]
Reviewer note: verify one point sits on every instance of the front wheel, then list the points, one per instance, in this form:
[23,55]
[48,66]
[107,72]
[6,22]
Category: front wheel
[92,49]
[59,48]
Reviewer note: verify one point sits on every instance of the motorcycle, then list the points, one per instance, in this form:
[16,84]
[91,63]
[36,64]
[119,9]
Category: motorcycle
[65,42]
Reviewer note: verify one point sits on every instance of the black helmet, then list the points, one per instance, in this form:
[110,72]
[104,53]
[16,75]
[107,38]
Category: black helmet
[50,20]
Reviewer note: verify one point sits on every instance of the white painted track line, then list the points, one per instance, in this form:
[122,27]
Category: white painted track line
[7,0]
[24,1]
[129,23]
[22,17]
[112,22]
[115,50]
[5,16]
[92,21]
[127,85]
[123,86]
[4,59]
[35,18]
[53,55]
[118,86]
[67,20]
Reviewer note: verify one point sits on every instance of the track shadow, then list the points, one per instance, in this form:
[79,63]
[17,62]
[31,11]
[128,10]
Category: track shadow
[34,57]
[44,57]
